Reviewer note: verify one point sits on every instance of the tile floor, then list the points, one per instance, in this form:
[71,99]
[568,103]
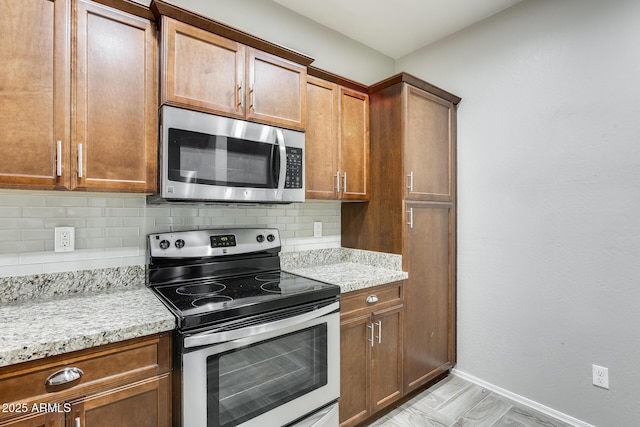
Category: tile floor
[454,402]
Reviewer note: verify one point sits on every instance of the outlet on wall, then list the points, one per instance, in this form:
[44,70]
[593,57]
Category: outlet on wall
[64,239]
[600,376]
[317,229]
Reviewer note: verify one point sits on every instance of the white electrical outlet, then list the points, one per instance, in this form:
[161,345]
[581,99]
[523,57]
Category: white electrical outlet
[317,229]
[64,239]
[600,376]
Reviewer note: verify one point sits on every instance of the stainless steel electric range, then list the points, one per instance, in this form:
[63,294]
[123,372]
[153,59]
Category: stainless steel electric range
[254,346]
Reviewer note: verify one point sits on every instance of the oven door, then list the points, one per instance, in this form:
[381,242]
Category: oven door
[267,375]
[208,157]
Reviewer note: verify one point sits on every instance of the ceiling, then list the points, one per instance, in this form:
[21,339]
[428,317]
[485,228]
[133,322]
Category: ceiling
[396,27]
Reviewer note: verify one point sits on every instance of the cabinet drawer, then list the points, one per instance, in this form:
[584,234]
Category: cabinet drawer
[356,302]
[102,367]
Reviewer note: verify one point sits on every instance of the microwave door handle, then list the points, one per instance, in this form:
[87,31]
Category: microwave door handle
[208,338]
[283,163]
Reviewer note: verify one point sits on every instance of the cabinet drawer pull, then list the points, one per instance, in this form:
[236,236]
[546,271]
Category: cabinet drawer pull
[253,98]
[79,160]
[344,183]
[410,223]
[379,331]
[241,95]
[337,186]
[410,186]
[371,340]
[59,158]
[372,299]
[63,376]
[77,422]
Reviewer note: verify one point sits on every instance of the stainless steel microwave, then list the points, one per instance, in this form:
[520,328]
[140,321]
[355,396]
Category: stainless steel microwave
[209,158]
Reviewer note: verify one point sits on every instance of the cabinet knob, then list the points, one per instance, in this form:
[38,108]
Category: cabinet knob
[372,299]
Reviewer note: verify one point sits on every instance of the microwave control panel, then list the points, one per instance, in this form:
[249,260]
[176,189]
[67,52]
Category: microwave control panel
[294,168]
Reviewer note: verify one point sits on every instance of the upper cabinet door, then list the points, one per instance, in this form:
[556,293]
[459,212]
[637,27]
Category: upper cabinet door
[321,142]
[34,94]
[354,144]
[202,70]
[277,90]
[114,140]
[429,130]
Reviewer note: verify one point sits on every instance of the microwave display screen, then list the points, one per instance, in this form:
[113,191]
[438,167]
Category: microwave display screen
[219,160]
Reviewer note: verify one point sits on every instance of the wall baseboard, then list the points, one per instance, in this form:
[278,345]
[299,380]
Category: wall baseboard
[521,399]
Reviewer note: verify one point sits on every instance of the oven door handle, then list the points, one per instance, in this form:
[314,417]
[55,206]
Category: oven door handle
[208,338]
[283,163]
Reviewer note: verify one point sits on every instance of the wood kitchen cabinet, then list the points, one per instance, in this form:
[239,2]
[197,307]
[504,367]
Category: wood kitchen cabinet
[207,72]
[413,130]
[121,384]
[86,122]
[337,142]
[370,351]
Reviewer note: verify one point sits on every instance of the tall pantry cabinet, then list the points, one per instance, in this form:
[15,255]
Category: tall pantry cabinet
[412,211]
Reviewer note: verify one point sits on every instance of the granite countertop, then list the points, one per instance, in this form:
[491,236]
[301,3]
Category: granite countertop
[351,269]
[69,321]
[49,314]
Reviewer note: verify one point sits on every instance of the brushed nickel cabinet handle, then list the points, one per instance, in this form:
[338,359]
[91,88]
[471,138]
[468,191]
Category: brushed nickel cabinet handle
[344,182]
[59,158]
[79,160]
[253,97]
[379,331]
[410,176]
[337,186]
[371,340]
[240,94]
[410,223]
[64,376]
[77,422]
[372,299]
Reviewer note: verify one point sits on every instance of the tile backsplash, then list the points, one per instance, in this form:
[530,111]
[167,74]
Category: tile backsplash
[110,229]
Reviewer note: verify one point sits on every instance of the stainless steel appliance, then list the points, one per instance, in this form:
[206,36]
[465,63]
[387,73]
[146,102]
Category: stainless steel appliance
[204,157]
[254,346]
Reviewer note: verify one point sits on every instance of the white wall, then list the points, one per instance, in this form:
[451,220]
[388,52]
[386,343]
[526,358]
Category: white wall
[549,200]
[332,51]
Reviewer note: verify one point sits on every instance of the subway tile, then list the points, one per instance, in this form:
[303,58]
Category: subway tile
[16,199]
[38,234]
[10,212]
[105,222]
[9,259]
[66,200]
[84,212]
[65,222]
[157,212]
[122,232]
[138,241]
[184,212]
[118,212]
[257,212]
[41,257]
[105,202]
[134,202]
[207,212]
[11,235]
[43,212]
[246,220]
[285,220]
[21,223]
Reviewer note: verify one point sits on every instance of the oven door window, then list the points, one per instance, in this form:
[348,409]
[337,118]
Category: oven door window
[220,160]
[248,381]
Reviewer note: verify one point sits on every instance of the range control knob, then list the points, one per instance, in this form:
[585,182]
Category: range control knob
[260,238]
[179,243]
[164,244]
[271,237]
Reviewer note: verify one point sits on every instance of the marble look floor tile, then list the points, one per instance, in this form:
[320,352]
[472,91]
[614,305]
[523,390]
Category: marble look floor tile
[507,421]
[442,391]
[532,418]
[469,397]
[486,412]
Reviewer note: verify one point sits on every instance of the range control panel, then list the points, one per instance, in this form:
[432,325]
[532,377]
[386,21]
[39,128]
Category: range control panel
[217,242]
[294,177]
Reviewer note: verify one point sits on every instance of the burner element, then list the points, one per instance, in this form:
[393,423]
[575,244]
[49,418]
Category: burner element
[201,289]
[282,288]
[214,299]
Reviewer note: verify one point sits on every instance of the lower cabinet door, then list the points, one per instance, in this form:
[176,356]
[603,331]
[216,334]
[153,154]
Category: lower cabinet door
[355,354]
[142,404]
[386,370]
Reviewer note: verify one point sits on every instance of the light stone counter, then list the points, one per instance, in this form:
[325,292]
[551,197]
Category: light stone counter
[351,269]
[37,328]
